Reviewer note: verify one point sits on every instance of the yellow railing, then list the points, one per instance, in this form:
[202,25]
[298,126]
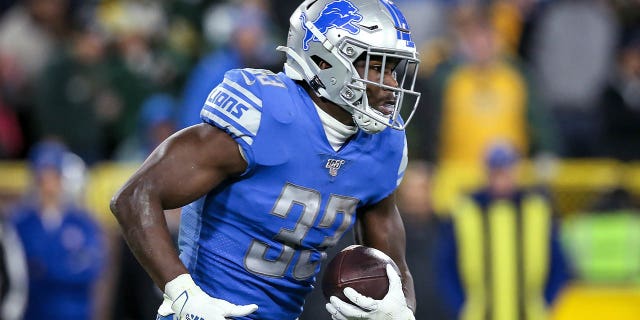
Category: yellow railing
[573,183]
[102,182]
[596,302]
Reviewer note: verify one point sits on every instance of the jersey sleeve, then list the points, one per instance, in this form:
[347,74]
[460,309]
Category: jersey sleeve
[235,106]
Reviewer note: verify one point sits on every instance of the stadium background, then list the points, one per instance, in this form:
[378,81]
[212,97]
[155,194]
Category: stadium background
[133,50]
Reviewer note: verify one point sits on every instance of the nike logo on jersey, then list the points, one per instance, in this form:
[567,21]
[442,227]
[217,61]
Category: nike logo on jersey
[334,165]
[248,81]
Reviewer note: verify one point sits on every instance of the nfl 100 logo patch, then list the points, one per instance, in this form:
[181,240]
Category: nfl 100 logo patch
[334,165]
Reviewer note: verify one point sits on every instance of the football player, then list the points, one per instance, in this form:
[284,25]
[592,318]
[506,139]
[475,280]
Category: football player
[282,165]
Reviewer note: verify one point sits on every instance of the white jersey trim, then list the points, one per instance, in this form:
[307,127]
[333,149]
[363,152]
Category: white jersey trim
[226,125]
[403,163]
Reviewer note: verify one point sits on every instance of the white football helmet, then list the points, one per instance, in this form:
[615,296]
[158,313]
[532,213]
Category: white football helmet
[342,31]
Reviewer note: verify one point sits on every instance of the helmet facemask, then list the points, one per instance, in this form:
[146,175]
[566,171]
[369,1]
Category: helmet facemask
[377,38]
[404,68]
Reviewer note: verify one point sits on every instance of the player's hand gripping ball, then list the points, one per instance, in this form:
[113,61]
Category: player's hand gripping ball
[364,283]
[361,268]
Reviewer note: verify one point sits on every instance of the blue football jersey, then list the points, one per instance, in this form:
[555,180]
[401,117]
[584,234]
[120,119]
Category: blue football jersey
[260,238]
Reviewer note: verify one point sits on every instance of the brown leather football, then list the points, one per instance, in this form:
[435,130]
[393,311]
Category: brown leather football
[359,267]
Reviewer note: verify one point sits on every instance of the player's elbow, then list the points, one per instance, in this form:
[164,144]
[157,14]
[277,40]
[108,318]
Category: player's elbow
[121,203]
[116,204]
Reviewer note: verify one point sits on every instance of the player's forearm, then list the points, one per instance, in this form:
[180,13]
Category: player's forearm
[407,287]
[394,246]
[145,230]
[382,228]
[396,250]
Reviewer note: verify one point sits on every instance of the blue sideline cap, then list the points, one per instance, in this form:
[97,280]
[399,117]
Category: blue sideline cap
[501,156]
[156,109]
[47,154]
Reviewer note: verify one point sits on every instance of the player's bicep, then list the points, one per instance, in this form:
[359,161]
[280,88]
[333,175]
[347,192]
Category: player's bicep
[188,165]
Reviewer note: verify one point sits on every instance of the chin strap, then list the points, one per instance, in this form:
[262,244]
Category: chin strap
[368,124]
[363,120]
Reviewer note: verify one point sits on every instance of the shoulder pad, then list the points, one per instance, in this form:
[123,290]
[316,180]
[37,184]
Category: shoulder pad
[255,80]
[235,105]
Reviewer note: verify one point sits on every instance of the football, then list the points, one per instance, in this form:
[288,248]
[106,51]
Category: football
[359,267]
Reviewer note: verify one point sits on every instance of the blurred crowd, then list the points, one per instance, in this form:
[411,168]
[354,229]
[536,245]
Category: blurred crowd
[81,72]
[553,77]
[109,80]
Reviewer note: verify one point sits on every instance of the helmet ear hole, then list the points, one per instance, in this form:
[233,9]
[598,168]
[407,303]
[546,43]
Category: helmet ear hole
[321,63]
[311,4]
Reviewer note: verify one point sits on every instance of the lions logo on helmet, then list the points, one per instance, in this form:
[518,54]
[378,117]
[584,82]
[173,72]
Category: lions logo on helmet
[339,14]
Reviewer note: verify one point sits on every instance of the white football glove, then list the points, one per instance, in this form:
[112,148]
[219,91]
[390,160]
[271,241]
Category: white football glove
[185,299]
[392,307]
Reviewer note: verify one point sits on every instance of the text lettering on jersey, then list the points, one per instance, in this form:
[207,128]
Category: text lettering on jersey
[228,103]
